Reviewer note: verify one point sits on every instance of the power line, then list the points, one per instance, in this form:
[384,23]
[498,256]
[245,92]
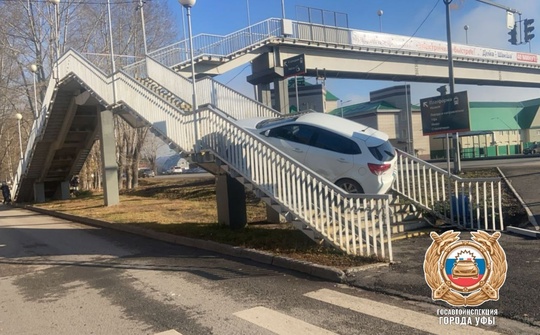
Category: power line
[245,67]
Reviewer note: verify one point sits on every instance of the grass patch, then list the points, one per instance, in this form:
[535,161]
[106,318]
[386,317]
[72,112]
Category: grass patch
[187,207]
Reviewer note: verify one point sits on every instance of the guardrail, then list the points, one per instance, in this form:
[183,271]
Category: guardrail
[474,203]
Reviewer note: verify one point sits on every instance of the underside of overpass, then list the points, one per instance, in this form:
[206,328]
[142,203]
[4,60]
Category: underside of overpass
[72,128]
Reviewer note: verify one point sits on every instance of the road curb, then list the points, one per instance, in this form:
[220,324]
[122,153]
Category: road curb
[320,271]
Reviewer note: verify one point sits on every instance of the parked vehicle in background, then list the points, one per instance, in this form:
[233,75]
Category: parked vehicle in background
[146,173]
[176,170]
[355,157]
[531,150]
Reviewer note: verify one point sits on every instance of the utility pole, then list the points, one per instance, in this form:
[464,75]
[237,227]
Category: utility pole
[508,9]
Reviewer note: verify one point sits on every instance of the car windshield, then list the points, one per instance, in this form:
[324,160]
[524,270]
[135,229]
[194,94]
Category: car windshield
[384,152]
[275,121]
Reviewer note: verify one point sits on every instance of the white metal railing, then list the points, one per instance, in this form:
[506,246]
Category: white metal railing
[209,91]
[216,45]
[474,203]
[357,224]
[373,42]
[36,130]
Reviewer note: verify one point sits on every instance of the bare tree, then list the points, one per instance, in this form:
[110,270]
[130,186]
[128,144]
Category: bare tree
[150,149]
[28,36]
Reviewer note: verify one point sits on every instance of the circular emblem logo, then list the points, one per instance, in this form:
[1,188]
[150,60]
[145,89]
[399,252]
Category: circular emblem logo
[465,273]
[464,266]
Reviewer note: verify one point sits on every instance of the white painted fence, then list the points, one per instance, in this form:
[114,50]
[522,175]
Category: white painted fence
[474,203]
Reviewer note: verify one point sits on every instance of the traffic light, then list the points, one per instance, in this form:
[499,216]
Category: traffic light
[527,29]
[513,35]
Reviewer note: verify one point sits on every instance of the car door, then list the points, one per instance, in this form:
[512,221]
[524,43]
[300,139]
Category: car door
[293,139]
[331,155]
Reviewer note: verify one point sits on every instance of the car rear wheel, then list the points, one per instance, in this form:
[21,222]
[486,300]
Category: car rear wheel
[350,186]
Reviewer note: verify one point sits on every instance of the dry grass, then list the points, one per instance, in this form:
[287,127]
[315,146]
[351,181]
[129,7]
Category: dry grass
[187,207]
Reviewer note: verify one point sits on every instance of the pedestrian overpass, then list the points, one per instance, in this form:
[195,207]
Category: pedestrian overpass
[335,52]
[78,109]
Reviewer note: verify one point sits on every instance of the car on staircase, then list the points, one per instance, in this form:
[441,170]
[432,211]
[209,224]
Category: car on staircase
[351,155]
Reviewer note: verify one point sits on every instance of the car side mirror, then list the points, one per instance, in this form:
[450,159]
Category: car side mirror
[266,132]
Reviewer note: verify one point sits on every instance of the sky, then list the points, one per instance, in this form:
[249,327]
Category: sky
[418,18]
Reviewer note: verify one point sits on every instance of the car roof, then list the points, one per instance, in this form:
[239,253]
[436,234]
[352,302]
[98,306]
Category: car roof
[342,126]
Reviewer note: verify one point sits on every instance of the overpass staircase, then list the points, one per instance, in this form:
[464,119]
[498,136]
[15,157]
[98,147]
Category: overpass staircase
[154,95]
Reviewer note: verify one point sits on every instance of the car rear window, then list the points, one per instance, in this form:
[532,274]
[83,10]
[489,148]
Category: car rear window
[384,152]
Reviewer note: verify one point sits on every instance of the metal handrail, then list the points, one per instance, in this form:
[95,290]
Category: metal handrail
[208,45]
[464,202]
[209,91]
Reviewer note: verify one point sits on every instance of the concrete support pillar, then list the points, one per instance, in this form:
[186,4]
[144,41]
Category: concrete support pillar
[108,158]
[264,94]
[64,190]
[281,95]
[39,192]
[272,215]
[231,202]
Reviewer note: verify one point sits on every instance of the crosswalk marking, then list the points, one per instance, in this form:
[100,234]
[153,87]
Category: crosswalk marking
[278,323]
[169,332]
[394,314]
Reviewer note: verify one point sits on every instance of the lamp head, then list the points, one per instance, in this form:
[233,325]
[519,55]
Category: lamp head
[33,68]
[187,3]
[380,12]
[18,116]
[54,2]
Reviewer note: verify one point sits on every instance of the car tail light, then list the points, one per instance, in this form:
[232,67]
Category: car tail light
[378,169]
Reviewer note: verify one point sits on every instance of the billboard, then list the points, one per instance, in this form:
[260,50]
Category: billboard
[445,114]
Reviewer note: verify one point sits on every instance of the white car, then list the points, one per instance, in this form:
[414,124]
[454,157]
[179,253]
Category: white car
[175,170]
[355,157]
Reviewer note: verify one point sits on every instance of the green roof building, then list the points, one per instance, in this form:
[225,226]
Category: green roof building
[496,128]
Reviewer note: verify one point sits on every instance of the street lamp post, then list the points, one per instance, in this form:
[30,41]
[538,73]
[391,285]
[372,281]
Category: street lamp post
[34,69]
[466,27]
[380,13]
[112,50]
[451,82]
[140,7]
[56,39]
[187,5]
[19,118]
[248,21]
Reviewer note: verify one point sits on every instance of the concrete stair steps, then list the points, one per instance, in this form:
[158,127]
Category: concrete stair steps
[166,94]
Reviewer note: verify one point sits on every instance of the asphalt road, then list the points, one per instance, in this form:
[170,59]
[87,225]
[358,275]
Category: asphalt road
[519,294]
[58,277]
